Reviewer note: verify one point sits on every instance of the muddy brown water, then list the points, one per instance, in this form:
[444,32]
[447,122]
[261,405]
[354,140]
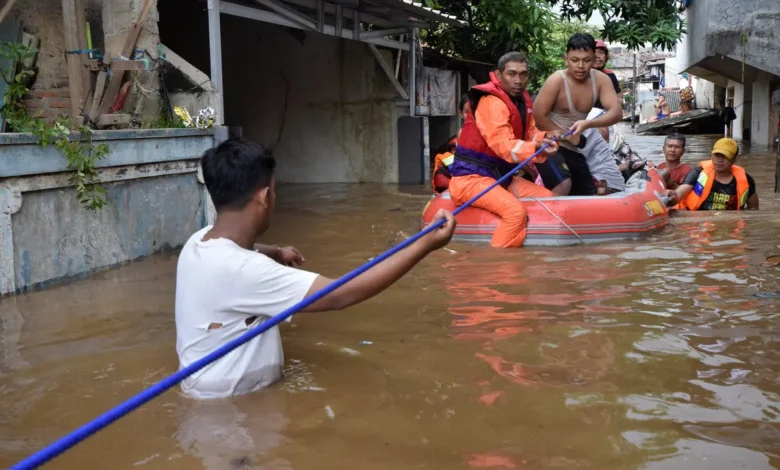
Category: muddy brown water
[647,354]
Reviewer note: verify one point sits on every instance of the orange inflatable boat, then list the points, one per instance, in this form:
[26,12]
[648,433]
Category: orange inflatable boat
[637,211]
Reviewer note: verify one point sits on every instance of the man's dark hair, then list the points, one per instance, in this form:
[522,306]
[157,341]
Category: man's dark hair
[675,136]
[511,57]
[463,100]
[235,170]
[581,42]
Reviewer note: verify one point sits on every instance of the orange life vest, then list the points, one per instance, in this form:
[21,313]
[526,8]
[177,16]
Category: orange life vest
[473,156]
[703,186]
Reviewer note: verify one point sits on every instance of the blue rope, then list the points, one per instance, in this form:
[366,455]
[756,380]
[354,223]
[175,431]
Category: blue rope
[58,447]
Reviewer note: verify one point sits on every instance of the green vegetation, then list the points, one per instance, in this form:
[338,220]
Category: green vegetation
[81,154]
[532,27]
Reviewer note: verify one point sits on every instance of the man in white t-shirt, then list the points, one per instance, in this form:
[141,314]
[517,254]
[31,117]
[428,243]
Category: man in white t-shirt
[227,284]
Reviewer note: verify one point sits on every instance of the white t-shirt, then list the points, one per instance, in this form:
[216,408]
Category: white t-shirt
[220,283]
[601,160]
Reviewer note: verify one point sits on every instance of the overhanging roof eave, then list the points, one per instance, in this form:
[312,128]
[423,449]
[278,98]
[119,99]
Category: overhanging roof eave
[420,11]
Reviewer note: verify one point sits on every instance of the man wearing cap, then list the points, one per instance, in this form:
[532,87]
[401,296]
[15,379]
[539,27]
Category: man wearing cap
[718,184]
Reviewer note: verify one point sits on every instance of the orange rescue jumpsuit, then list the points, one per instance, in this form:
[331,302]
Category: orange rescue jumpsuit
[493,121]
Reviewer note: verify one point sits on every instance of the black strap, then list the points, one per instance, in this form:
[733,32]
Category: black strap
[520,104]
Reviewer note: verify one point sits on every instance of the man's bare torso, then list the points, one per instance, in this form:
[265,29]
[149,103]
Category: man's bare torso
[574,100]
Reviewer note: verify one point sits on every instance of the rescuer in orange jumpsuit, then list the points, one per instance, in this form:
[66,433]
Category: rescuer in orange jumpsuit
[499,133]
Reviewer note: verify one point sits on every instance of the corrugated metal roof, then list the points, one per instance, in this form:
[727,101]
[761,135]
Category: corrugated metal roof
[420,11]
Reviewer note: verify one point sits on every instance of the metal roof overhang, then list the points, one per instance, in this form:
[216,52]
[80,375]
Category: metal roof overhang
[393,24]
[388,18]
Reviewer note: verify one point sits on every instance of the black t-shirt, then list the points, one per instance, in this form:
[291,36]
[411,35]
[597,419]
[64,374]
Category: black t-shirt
[723,197]
[615,83]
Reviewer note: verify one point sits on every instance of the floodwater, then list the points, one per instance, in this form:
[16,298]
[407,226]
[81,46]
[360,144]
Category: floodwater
[654,354]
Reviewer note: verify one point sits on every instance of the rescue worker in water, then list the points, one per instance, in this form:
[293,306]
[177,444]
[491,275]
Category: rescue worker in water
[498,134]
[718,184]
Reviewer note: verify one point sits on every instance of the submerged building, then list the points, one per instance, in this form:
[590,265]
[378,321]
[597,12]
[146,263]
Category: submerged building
[736,45]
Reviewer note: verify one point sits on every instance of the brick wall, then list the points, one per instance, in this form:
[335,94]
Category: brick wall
[49,103]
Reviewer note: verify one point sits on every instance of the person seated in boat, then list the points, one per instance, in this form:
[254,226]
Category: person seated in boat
[717,184]
[446,155]
[582,165]
[226,284]
[499,134]
[441,170]
[628,161]
[674,148]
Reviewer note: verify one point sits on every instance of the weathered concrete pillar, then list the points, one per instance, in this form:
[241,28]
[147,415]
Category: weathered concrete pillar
[761,128]
[10,203]
[119,16]
[209,211]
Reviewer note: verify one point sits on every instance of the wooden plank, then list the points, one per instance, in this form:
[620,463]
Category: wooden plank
[93,65]
[100,85]
[108,120]
[678,120]
[81,30]
[115,83]
[119,65]
[6,9]
[75,77]
[388,71]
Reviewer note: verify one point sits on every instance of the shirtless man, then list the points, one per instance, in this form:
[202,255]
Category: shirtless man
[563,104]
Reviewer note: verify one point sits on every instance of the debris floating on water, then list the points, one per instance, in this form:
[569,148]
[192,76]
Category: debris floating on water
[367,342]
[767,295]
[451,251]
[329,412]
[772,260]
[350,351]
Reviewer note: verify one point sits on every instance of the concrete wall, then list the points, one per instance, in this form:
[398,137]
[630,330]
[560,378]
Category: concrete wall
[715,40]
[155,201]
[328,97]
[340,116]
[704,91]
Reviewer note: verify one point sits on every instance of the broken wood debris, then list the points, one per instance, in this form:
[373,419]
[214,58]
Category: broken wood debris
[115,82]
[114,120]
[125,65]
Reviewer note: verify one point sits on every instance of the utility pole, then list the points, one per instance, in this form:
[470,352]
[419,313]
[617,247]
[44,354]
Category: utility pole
[635,94]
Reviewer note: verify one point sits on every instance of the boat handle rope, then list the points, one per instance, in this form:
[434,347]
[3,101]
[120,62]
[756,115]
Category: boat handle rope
[559,219]
[76,436]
